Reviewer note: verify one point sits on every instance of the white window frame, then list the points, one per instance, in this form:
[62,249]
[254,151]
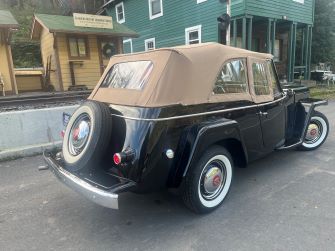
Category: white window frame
[299,1]
[120,21]
[192,29]
[201,1]
[131,44]
[150,10]
[150,40]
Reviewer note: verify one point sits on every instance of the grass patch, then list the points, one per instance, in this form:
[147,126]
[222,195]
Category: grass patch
[323,92]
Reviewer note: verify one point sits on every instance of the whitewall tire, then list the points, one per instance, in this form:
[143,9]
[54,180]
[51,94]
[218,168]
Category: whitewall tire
[317,132]
[208,182]
[86,136]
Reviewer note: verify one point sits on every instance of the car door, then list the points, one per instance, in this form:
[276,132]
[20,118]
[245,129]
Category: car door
[269,98]
[232,84]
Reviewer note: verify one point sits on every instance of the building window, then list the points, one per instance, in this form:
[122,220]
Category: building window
[78,47]
[150,44]
[232,78]
[128,46]
[201,1]
[193,35]
[261,83]
[155,8]
[299,1]
[119,9]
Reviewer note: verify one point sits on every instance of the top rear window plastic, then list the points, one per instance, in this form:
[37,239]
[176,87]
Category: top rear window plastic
[128,75]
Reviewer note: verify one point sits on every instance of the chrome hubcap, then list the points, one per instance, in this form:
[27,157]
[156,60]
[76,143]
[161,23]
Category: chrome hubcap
[314,132]
[79,134]
[212,180]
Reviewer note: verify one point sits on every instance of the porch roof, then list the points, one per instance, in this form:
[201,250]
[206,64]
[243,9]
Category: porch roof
[65,24]
[7,20]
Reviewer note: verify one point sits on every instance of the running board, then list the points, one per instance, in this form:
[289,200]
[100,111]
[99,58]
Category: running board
[290,146]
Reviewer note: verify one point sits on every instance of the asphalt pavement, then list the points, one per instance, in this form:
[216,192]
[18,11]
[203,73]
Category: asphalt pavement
[285,201]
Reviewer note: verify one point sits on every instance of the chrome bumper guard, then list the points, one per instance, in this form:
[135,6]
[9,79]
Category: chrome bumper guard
[98,196]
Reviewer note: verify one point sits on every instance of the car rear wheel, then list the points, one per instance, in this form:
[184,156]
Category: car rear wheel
[317,132]
[86,136]
[208,182]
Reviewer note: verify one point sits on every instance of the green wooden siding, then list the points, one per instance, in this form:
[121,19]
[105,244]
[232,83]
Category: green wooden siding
[169,30]
[294,11]
[237,8]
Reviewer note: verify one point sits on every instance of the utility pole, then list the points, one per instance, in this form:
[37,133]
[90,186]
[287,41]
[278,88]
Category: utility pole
[228,29]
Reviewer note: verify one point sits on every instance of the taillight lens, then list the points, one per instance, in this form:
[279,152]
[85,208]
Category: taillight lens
[124,157]
[117,159]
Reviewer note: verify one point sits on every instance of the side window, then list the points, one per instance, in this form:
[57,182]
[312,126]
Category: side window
[261,83]
[232,78]
[274,80]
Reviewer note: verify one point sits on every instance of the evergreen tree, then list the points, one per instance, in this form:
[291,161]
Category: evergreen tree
[323,46]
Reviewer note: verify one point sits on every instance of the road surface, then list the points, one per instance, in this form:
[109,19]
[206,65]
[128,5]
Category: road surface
[285,201]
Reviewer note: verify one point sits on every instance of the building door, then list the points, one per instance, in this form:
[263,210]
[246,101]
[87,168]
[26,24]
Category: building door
[108,47]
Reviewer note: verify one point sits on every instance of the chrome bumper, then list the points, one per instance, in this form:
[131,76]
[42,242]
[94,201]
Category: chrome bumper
[99,196]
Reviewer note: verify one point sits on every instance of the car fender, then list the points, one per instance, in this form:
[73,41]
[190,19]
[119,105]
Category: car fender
[309,106]
[212,133]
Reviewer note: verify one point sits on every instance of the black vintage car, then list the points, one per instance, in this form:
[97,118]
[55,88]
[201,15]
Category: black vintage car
[183,118]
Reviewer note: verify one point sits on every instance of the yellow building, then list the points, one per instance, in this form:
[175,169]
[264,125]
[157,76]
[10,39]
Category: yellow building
[7,77]
[74,57]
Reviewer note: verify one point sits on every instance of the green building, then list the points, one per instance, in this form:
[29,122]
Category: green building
[280,27]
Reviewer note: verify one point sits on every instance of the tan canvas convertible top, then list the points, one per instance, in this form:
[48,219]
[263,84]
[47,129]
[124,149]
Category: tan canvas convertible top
[181,75]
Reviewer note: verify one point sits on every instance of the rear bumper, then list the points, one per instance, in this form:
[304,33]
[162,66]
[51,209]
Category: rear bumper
[102,197]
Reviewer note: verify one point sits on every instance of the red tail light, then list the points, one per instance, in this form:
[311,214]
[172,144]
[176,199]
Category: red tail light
[117,159]
[124,157]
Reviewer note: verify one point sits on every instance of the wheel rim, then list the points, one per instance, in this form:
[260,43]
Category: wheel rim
[212,179]
[314,132]
[79,134]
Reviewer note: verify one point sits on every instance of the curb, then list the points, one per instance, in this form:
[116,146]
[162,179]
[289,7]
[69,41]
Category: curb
[27,151]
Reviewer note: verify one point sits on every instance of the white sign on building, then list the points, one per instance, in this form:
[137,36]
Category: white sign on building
[92,21]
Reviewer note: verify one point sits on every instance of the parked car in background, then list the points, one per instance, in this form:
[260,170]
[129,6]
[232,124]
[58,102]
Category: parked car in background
[183,117]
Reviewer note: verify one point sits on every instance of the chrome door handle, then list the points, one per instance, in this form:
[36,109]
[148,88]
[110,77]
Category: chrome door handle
[262,113]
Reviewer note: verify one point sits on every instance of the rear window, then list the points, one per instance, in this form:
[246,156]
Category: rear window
[128,75]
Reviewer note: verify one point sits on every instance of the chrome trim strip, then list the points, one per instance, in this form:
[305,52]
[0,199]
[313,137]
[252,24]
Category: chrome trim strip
[101,197]
[202,113]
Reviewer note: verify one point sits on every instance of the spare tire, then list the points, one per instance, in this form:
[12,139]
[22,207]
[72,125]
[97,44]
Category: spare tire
[87,136]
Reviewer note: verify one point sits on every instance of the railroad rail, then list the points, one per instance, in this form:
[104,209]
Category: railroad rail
[42,99]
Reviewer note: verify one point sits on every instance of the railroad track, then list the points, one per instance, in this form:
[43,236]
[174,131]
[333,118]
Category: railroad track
[11,102]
